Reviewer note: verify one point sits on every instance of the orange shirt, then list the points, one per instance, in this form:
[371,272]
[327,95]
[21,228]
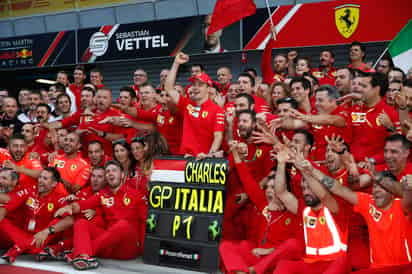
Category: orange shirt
[27,162]
[387,231]
[76,170]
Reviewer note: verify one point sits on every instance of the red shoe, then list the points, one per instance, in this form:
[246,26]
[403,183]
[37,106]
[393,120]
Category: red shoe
[11,255]
[85,263]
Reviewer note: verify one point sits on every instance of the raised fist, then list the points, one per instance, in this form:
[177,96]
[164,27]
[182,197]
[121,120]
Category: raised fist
[181,58]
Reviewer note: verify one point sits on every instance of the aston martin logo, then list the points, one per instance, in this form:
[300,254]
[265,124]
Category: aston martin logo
[347,19]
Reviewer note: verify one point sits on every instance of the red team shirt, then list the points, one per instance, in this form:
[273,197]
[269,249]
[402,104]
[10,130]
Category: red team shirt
[368,133]
[27,162]
[199,125]
[321,131]
[388,235]
[38,211]
[93,122]
[76,170]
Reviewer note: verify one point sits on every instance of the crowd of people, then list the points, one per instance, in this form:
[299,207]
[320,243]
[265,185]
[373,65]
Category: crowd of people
[320,177]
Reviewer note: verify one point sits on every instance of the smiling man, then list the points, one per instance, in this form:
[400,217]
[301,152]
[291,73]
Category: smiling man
[203,122]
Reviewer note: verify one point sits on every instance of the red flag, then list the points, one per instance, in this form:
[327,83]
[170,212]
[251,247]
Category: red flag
[227,12]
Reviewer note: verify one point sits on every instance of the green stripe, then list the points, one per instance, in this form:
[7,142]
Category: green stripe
[402,41]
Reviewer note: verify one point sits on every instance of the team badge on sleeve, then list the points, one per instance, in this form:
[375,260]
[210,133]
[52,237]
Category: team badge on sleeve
[50,206]
[126,201]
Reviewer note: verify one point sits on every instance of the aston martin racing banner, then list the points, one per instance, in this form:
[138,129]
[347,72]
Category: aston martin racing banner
[41,50]
[184,222]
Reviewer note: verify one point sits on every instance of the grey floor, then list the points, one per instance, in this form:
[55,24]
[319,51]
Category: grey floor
[107,266]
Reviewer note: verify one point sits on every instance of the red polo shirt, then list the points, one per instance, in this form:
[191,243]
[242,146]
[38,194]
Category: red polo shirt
[388,231]
[27,162]
[87,122]
[325,75]
[126,204]
[77,90]
[76,170]
[39,211]
[199,125]
[321,131]
[407,170]
[368,133]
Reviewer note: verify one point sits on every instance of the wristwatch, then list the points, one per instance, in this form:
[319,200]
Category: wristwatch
[52,229]
[103,134]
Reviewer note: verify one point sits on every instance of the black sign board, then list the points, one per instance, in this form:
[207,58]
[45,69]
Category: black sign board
[184,222]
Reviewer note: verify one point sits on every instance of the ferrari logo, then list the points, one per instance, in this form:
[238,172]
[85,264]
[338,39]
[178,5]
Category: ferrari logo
[50,206]
[204,114]
[288,221]
[258,153]
[322,220]
[347,19]
[126,201]
[73,167]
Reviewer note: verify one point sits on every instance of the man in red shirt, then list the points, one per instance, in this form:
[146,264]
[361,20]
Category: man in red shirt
[278,71]
[275,225]
[139,78]
[203,121]
[40,202]
[326,72]
[343,80]
[374,120]
[224,78]
[357,54]
[9,180]
[74,170]
[328,119]
[384,215]
[96,155]
[246,85]
[90,127]
[300,91]
[28,167]
[396,154]
[123,211]
[325,220]
[79,76]
[96,78]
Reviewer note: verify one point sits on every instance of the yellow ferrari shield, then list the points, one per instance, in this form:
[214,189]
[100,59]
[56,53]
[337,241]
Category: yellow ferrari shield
[347,19]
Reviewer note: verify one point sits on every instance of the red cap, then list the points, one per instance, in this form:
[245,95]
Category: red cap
[203,77]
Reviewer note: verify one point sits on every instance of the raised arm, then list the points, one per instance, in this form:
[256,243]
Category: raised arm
[407,194]
[315,178]
[180,59]
[288,199]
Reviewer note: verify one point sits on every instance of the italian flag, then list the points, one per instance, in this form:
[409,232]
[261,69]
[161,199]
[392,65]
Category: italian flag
[400,48]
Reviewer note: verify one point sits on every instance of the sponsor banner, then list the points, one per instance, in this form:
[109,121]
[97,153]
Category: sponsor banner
[15,8]
[327,23]
[38,50]
[154,39]
[184,222]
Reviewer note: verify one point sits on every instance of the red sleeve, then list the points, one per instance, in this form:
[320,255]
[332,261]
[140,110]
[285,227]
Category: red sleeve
[147,116]
[35,165]
[219,121]
[394,116]
[362,206]
[17,199]
[266,65]
[83,176]
[256,195]
[72,120]
[92,203]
